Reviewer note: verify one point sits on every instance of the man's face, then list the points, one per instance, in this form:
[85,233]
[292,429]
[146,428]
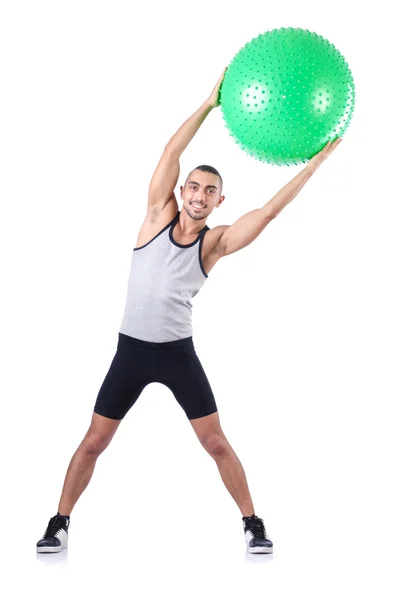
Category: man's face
[201,194]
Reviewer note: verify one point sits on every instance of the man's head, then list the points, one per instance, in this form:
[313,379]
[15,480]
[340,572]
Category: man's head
[203,187]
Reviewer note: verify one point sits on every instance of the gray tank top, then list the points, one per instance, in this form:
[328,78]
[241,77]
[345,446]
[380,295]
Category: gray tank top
[163,279]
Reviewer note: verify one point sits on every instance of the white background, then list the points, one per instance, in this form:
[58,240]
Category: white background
[297,332]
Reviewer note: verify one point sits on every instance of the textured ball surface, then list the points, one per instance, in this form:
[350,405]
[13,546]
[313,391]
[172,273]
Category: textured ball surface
[285,94]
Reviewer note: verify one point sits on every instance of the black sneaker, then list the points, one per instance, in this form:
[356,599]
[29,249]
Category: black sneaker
[55,537]
[255,536]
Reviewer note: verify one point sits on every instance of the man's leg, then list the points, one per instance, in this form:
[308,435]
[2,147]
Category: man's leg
[212,438]
[83,461]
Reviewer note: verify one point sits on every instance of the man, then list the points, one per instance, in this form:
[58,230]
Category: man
[174,253]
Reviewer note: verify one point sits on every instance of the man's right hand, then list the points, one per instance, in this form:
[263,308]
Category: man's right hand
[214,96]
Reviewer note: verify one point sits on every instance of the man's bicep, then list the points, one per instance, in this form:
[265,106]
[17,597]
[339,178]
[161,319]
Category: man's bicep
[164,179]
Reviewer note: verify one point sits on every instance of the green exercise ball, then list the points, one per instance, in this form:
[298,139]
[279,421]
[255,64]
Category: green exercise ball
[285,94]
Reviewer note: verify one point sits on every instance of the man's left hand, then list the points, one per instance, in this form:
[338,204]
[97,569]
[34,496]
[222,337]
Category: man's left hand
[321,156]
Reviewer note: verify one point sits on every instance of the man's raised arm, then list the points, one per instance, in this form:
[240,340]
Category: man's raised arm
[165,177]
[247,228]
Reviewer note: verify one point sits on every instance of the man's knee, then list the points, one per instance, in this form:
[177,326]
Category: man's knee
[99,434]
[216,444]
[95,443]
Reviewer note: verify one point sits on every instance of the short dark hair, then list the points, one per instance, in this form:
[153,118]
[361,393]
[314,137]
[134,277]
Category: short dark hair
[209,169]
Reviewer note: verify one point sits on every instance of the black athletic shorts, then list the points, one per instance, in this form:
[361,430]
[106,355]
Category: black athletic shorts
[138,363]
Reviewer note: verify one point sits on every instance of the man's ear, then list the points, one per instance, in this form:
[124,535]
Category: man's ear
[181,190]
[221,199]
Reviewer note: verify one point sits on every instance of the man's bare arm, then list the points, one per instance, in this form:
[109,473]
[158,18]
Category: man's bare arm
[246,229]
[166,175]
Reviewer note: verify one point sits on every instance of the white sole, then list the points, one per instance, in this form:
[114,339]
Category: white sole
[260,550]
[50,549]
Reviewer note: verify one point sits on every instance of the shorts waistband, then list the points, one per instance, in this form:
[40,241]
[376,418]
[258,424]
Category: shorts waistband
[182,342]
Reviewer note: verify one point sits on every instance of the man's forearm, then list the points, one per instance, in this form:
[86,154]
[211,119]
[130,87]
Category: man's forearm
[186,132]
[288,192]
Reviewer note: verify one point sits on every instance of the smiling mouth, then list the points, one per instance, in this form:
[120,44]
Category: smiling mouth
[197,205]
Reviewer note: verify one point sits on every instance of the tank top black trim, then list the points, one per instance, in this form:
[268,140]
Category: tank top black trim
[159,233]
[199,237]
[200,250]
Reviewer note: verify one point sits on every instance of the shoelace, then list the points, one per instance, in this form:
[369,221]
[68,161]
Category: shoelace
[257,527]
[54,526]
